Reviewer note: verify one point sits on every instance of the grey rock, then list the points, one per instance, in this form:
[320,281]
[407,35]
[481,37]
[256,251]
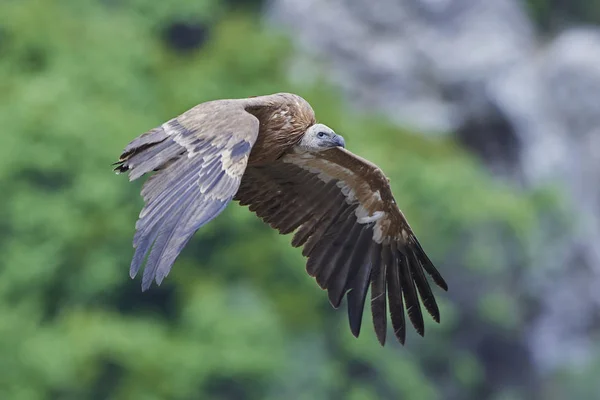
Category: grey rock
[403,58]
[568,153]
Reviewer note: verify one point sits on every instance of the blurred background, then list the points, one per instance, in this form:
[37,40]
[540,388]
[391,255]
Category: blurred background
[484,114]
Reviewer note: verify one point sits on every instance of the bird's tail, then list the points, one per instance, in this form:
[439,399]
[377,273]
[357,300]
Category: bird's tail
[151,151]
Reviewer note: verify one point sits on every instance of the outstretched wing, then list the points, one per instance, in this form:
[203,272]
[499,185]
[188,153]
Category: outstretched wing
[200,158]
[352,232]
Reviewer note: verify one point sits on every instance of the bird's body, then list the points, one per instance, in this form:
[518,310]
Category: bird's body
[269,153]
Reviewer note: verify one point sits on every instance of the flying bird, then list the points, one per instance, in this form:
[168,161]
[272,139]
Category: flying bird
[269,153]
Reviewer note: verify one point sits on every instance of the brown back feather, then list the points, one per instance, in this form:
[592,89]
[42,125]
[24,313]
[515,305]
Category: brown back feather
[284,119]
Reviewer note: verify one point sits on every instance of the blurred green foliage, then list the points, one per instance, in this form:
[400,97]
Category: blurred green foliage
[238,318]
[555,15]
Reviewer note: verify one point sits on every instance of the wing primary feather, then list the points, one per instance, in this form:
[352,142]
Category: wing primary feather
[324,220]
[194,212]
[202,213]
[157,208]
[337,236]
[319,251]
[152,229]
[149,226]
[395,297]
[176,205]
[359,286]
[157,200]
[413,308]
[152,221]
[423,286]
[166,231]
[142,245]
[154,190]
[364,242]
[378,299]
[354,249]
[161,184]
[428,265]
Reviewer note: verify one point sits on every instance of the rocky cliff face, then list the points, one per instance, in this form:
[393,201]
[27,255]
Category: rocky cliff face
[529,108]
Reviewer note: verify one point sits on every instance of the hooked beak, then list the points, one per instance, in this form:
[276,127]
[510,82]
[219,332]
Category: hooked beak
[339,141]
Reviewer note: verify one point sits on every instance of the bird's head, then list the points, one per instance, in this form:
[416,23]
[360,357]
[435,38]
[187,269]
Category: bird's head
[321,137]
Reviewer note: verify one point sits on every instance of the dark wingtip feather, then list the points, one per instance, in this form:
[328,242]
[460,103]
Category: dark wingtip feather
[359,285]
[428,265]
[337,284]
[120,167]
[355,328]
[400,334]
[432,308]
[334,300]
[416,319]
[416,271]
[413,307]
[378,299]
[395,296]
[355,313]
[442,284]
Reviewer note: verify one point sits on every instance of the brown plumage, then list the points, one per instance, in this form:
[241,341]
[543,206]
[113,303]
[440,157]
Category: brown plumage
[269,153]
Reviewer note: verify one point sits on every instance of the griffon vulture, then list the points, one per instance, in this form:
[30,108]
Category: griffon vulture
[269,153]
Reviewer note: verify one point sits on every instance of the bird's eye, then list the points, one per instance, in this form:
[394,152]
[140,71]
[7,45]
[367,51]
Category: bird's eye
[321,134]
